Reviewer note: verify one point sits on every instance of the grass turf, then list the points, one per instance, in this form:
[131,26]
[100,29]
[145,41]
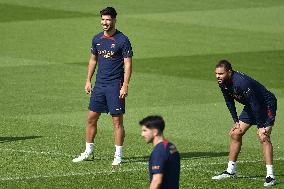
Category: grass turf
[43,60]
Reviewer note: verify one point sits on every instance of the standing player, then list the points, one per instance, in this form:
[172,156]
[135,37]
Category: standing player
[259,108]
[164,161]
[112,51]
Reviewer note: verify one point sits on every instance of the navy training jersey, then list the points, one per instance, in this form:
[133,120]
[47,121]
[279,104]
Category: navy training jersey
[165,159]
[110,52]
[249,92]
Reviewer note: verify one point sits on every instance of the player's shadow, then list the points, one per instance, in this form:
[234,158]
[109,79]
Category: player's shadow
[12,139]
[196,155]
[183,155]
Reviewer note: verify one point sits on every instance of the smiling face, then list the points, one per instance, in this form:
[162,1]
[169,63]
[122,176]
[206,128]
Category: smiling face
[222,75]
[108,23]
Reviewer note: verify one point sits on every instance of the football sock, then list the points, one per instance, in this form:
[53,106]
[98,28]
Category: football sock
[232,167]
[118,151]
[269,169]
[89,147]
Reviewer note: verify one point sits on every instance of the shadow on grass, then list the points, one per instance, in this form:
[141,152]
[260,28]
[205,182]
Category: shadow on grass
[197,155]
[12,139]
[184,155]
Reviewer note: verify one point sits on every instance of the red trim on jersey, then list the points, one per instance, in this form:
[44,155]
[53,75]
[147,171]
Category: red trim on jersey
[165,143]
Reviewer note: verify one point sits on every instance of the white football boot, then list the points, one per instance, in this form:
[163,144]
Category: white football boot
[117,160]
[84,156]
[224,175]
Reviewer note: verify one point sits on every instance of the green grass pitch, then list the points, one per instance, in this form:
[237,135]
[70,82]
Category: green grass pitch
[44,51]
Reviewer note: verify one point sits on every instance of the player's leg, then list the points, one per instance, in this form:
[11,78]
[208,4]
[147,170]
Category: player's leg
[116,108]
[264,138]
[267,147]
[91,130]
[119,135]
[97,104]
[236,134]
[119,132]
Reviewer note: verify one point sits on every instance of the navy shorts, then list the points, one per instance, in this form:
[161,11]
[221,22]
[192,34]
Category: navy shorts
[105,99]
[268,116]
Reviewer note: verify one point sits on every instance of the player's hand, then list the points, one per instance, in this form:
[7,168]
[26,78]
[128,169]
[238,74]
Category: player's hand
[235,126]
[123,91]
[88,87]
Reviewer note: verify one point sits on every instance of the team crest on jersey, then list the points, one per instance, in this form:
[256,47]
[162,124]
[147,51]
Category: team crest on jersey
[112,46]
[173,149]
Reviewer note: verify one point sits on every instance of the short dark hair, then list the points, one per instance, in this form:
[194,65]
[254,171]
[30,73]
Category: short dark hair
[226,64]
[153,122]
[109,11]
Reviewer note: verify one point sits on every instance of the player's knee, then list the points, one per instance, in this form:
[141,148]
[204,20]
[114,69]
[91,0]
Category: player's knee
[236,134]
[118,126]
[263,138]
[92,121]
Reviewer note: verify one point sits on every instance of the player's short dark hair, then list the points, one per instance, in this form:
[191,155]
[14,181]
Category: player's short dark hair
[109,11]
[226,64]
[153,122]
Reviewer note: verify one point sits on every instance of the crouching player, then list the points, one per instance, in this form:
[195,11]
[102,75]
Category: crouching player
[259,109]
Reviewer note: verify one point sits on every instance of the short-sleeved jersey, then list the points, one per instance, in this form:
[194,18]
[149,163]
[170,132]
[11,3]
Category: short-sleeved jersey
[249,92]
[165,159]
[110,52]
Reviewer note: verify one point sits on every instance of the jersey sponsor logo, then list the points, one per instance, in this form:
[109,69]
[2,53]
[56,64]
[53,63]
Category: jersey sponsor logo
[112,46]
[105,53]
[155,167]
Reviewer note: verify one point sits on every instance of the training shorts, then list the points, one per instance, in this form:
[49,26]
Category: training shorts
[105,99]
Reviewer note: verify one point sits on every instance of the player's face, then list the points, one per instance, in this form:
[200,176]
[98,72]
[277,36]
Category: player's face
[222,75]
[148,134]
[108,23]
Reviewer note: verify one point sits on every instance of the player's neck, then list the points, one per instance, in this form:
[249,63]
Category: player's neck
[109,33]
[158,139]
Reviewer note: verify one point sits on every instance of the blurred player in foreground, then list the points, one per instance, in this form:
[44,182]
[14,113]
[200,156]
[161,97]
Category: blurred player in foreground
[164,161]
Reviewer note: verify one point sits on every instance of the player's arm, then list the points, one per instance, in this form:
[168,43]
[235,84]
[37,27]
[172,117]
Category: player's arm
[90,73]
[156,181]
[127,76]
[230,102]
[127,54]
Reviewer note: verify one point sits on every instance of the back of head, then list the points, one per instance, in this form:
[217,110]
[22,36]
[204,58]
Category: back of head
[109,11]
[153,122]
[225,64]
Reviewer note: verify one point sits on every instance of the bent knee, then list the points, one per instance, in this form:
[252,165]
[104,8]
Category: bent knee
[236,134]
[264,137]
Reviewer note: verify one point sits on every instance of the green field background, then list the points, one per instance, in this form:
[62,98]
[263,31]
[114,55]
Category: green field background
[44,52]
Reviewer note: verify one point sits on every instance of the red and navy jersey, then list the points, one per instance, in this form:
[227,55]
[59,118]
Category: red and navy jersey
[110,52]
[165,159]
[248,92]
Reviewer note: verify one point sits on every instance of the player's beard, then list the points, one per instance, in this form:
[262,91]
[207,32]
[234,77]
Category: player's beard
[108,28]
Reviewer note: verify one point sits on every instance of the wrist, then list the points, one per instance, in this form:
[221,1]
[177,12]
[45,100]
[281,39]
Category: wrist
[125,84]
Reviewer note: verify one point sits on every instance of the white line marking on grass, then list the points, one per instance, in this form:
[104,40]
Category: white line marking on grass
[71,174]
[36,152]
[188,167]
